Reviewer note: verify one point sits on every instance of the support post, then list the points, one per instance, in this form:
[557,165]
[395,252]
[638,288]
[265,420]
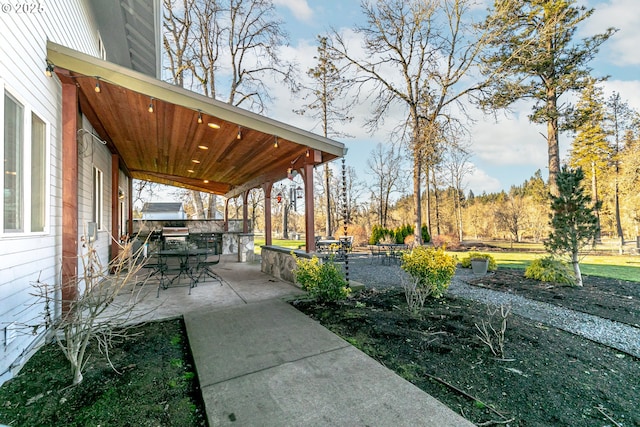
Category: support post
[310,235]
[245,212]
[115,206]
[266,187]
[69,194]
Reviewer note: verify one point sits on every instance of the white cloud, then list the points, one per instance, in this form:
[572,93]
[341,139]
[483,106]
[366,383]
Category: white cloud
[629,91]
[479,181]
[299,8]
[622,48]
[511,140]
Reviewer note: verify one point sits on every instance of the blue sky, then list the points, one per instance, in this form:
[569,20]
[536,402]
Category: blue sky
[504,153]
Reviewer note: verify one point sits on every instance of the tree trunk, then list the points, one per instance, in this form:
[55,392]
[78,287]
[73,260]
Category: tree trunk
[617,213]
[198,206]
[327,180]
[285,220]
[552,142]
[417,197]
[576,268]
[594,192]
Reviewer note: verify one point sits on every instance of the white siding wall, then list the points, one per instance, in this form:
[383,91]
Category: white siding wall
[26,257]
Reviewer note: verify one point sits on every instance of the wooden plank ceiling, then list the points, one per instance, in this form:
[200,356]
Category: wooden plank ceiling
[168,145]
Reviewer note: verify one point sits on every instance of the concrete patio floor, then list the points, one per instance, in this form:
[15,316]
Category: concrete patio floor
[261,362]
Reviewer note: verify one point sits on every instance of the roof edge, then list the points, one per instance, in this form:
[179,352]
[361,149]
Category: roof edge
[72,60]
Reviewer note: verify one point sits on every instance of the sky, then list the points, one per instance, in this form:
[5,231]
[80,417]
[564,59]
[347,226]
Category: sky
[505,150]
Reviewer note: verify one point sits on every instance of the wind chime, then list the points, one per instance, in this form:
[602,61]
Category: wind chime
[345,217]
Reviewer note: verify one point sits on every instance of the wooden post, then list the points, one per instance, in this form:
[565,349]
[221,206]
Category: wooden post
[245,212]
[309,229]
[69,194]
[115,206]
[266,187]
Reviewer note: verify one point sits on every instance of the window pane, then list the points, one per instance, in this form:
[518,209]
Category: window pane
[13,187]
[97,197]
[38,176]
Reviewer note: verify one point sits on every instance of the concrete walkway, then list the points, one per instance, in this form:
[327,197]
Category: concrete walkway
[262,362]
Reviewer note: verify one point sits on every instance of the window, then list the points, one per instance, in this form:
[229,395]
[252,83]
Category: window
[13,164]
[38,173]
[97,197]
[24,170]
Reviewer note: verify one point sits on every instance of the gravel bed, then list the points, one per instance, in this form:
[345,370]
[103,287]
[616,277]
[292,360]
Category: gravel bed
[622,337]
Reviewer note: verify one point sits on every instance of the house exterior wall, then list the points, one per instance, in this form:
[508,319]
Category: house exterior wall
[26,257]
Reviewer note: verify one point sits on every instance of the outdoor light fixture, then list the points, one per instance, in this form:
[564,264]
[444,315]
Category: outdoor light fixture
[120,194]
[239,136]
[307,153]
[279,197]
[213,125]
[97,88]
[275,144]
[151,105]
[49,70]
[199,118]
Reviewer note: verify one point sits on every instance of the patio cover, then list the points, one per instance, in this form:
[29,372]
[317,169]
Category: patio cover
[169,145]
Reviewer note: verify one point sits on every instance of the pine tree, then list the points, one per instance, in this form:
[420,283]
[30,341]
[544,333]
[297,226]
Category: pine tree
[590,149]
[573,220]
[539,57]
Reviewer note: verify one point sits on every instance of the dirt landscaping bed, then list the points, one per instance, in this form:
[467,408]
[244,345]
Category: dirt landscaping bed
[546,376]
[153,384]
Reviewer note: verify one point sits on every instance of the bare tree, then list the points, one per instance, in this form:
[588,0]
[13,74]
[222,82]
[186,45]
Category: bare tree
[239,38]
[457,165]
[510,215]
[105,305]
[385,164]
[416,54]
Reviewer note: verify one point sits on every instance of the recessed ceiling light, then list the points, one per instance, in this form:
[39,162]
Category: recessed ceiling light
[206,181]
[213,125]
[203,147]
[190,171]
[195,161]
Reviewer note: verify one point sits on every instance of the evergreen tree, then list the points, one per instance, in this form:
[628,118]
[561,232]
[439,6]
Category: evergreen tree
[590,150]
[573,222]
[539,57]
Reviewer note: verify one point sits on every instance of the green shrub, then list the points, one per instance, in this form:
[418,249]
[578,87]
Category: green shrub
[426,238]
[402,232]
[383,234]
[466,261]
[550,269]
[379,233]
[431,271]
[322,280]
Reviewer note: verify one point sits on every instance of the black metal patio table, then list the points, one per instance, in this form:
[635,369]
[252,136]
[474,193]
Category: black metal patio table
[176,263]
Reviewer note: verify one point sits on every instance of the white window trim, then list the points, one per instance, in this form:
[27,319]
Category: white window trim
[97,196]
[26,123]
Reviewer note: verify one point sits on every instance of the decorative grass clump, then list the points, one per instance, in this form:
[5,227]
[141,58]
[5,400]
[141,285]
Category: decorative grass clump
[550,269]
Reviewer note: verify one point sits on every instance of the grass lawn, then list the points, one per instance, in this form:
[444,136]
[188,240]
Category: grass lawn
[293,244]
[623,267]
